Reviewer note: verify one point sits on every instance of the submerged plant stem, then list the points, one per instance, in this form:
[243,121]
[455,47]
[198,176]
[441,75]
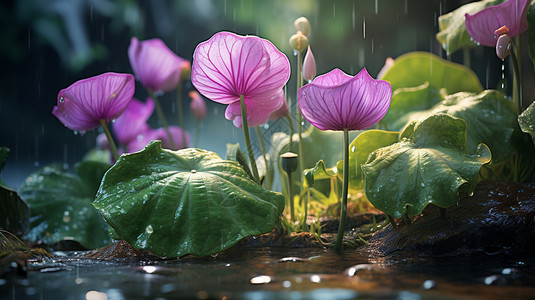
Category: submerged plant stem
[179,112]
[264,155]
[343,208]
[161,115]
[110,139]
[245,127]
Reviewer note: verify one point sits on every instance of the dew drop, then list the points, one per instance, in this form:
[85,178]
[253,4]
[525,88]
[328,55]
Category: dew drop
[353,148]
[61,100]
[149,229]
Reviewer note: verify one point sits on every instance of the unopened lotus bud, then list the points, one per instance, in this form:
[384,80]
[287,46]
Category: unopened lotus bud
[197,105]
[299,41]
[289,162]
[309,66]
[186,71]
[503,46]
[302,24]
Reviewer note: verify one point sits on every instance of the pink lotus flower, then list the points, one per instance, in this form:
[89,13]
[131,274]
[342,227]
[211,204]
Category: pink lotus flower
[197,105]
[228,66]
[155,65]
[87,102]
[133,121]
[337,101]
[481,25]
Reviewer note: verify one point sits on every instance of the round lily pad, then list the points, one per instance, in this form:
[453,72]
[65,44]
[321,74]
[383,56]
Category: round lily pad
[182,202]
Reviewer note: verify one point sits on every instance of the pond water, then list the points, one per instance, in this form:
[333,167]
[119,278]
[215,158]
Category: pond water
[277,273]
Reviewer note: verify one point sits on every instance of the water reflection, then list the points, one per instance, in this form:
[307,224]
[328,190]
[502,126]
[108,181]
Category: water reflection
[279,273]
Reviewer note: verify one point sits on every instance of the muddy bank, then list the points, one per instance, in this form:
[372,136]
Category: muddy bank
[498,218]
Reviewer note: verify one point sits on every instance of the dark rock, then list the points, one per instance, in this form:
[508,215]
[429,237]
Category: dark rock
[498,218]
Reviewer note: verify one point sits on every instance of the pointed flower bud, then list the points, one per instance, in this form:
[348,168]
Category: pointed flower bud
[302,24]
[503,46]
[299,41]
[197,105]
[309,66]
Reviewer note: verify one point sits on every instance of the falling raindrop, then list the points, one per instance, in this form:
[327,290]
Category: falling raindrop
[353,16]
[376,7]
[363,27]
[334,10]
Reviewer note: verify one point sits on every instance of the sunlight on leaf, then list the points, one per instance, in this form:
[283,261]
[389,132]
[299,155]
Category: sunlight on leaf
[416,68]
[489,115]
[359,150]
[428,166]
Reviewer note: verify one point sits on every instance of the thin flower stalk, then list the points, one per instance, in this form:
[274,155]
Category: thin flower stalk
[247,138]
[161,115]
[111,143]
[267,174]
[345,190]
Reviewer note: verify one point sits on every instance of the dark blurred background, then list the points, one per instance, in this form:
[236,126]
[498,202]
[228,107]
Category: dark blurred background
[48,45]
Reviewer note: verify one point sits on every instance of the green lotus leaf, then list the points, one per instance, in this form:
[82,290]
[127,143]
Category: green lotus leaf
[60,204]
[359,150]
[410,100]
[319,172]
[14,212]
[416,68]
[182,202]
[526,120]
[490,117]
[453,35]
[428,166]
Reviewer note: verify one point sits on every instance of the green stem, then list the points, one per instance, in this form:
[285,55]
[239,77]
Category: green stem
[299,115]
[161,115]
[179,111]
[110,139]
[517,93]
[290,125]
[466,56]
[343,208]
[248,139]
[291,196]
[264,155]
[304,226]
